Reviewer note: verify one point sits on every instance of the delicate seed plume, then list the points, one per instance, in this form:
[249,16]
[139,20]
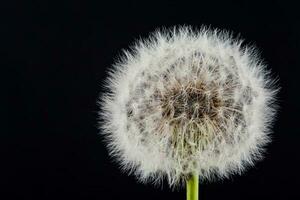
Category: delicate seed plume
[187,101]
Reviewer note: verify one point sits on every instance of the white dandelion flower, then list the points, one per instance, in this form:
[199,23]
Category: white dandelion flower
[187,101]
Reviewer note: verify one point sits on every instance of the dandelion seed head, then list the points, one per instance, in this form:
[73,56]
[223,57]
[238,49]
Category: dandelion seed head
[187,101]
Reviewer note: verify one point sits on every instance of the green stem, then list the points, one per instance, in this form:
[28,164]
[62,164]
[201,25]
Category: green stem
[192,185]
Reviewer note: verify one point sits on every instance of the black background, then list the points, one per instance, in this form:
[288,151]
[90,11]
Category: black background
[56,55]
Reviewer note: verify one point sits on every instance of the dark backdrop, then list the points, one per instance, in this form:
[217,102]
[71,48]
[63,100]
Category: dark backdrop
[56,56]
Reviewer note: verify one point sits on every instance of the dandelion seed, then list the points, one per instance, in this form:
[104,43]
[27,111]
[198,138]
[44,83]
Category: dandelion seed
[187,102]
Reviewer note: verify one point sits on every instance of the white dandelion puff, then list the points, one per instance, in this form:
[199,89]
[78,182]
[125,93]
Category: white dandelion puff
[186,101]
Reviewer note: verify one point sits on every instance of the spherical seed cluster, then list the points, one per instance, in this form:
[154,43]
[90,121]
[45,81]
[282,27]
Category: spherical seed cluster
[187,101]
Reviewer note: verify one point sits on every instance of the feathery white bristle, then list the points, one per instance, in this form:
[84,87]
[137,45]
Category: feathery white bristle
[185,101]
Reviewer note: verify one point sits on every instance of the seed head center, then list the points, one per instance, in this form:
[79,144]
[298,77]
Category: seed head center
[194,101]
